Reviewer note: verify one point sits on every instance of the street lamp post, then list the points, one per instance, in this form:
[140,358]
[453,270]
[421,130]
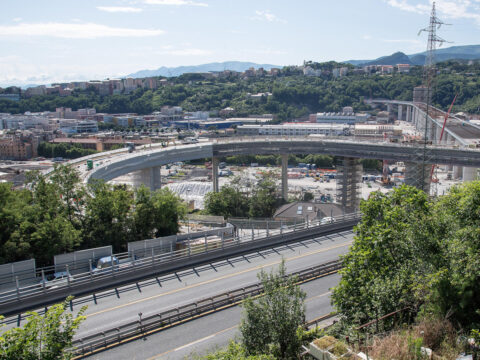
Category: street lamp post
[188,205]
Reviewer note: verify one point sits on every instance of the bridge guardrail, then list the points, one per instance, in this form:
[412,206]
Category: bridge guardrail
[25,298]
[152,323]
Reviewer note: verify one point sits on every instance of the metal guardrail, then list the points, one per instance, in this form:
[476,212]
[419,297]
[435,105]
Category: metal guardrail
[178,315]
[39,295]
[318,320]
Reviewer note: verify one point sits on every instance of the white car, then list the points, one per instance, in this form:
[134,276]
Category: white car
[56,280]
[327,220]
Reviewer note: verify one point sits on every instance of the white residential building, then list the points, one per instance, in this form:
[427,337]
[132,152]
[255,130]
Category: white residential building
[294,129]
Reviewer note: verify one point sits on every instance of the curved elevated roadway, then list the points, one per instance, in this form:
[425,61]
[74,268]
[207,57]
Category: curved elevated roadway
[122,164]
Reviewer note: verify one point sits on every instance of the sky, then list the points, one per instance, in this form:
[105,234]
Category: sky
[44,41]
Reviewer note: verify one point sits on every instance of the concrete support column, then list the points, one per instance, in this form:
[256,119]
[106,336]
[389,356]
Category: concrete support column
[447,141]
[469,174]
[418,175]
[150,177]
[400,112]
[349,178]
[438,132]
[433,130]
[445,137]
[457,172]
[389,108]
[415,118]
[285,177]
[215,162]
[155,178]
[409,114]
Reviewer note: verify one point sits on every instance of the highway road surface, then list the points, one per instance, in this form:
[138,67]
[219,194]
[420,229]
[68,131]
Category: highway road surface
[212,331]
[153,296]
[114,307]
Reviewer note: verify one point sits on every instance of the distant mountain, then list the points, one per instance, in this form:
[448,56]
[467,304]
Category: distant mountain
[394,59]
[467,52]
[239,66]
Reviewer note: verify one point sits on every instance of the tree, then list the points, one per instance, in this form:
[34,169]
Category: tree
[42,337]
[270,323]
[168,209]
[44,229]
[234,351]
[265,197]
[456,289]
[308,196]
[108,216]
[384,271]
[414,254]
[144,216]
[67,180]
[12,204]
[230,201]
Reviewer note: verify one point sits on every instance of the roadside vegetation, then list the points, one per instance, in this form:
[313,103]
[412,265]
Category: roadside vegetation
[67,151]
[242,198]
[410,281]
[61,214]
[417,258]
[43,336]
[271,326]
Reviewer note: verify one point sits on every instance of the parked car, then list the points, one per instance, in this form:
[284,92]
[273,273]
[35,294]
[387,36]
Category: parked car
[327,220]
[56,280]
[105,264]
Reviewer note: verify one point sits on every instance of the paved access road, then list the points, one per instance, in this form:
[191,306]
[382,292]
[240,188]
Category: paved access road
[149,297]
[115,307]
[210,332]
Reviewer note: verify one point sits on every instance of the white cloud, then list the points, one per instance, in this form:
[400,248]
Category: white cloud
[121,9]
[403,5]
[449,9]
[17,19]
[366,37]
[175,2]
[459,9]
[266,16]
[74,31]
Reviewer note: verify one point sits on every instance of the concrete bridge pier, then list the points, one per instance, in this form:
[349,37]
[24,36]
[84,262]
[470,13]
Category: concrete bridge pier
[150,177]
[447,142]
[418,175]
[438,132]
[285,177]
[389,108]
[400,112]
[155,178]
[409,114]
[457,172]
[349,178]
[215,162]
[416,115]
[469,174]
[445,137]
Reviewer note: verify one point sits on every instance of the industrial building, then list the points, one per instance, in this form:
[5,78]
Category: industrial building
[295,129]
[377,130]
[69,126]
[340,118]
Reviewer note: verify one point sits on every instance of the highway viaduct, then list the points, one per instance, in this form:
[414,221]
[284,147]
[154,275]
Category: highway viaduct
[149,161]
[457,132]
